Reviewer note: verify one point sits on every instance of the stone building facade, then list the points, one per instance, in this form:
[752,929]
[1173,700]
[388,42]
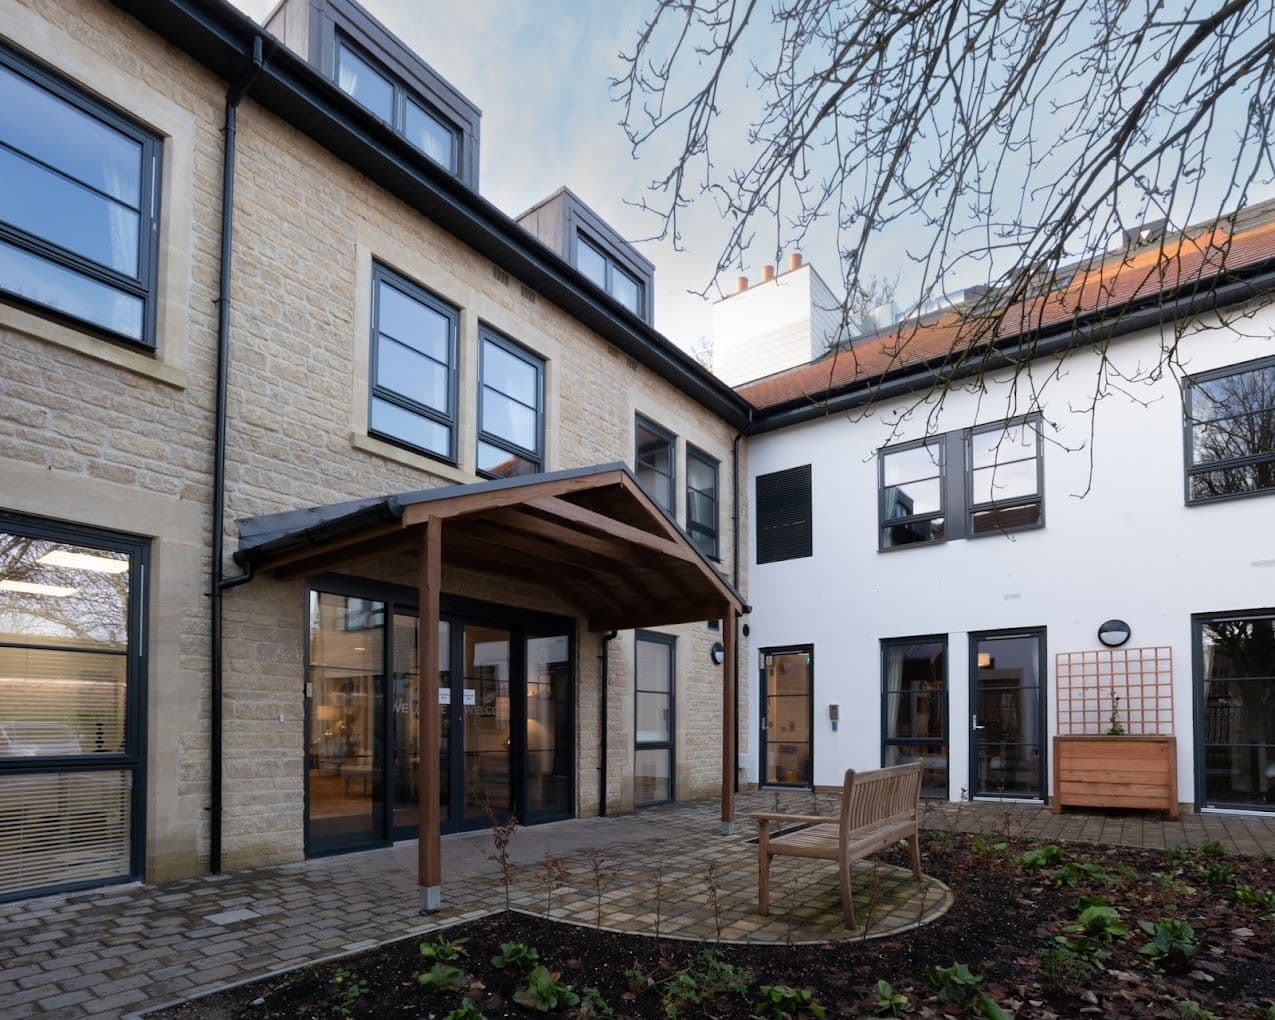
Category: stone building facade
[101,434]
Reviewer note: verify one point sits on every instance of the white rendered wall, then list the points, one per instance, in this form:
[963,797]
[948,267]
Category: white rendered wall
[1129,549]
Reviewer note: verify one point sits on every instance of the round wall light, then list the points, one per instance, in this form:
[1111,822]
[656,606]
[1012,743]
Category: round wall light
[718,654]
[1113,633]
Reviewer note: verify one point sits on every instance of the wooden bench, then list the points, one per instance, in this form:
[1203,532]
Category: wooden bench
[878,809]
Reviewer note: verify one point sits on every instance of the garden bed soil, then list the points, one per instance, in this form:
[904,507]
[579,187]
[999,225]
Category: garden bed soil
[1003,914]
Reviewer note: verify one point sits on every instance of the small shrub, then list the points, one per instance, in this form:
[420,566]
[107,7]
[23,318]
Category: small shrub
[637,980]
[465,1011]
[1213,848]
[516,957]
[987,845]
[1180,855]
[708,977]
[444,950]
[1215,871]
[1100,923]
[545,992]
[889,1002]
[1195,1011]
[442,977]
[1041,857]
[351,988]
[1070,967]
[956,984]
[1247,894]
[1263,1010]
[1173,943]
[593,1006]
[780,1002]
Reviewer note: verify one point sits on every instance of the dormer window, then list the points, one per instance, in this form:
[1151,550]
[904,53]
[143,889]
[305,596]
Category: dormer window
[359,76]
[609,276]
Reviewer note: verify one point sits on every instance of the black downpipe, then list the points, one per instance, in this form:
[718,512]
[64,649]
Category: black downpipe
[221,583]
[734,538]
[605,675]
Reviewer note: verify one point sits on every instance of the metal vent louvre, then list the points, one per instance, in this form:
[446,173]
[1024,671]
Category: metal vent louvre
[783,515]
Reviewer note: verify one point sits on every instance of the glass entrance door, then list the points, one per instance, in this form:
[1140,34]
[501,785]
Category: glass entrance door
[483,747]
[787,677]
[1007,724]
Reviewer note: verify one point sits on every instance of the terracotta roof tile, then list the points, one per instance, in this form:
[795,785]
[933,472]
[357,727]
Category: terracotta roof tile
[1110,284]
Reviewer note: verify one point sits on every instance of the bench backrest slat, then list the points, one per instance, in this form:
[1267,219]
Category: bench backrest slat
[871,797]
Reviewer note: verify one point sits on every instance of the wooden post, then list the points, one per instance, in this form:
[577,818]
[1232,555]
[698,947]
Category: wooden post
[429,845]
[729,728]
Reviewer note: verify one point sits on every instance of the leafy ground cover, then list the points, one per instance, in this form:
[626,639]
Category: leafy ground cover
[1036,931]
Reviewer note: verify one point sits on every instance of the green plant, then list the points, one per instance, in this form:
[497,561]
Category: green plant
[1041,857]
[545,992]
[1070,967]
[990,1009]
[442,977]
[955,984]
[889,1002]
[350,987]
[593,1006]
[1100,923]
[1265,1010]
[1247,894]
[516,957]
[1195,1011]
[987,845]
[1179,855]
[1173,943]
[1213,848]
[708,977]
[637,980]
[444,950]
[1115,729]
[780,1002]
[465,1011]
[1215,871]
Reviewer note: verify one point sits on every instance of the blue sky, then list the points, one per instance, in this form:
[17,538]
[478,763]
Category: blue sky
[539,72]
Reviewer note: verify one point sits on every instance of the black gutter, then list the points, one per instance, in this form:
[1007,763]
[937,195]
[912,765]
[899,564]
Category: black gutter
[1099,328]
[222,38]
[605,672]
[221,583]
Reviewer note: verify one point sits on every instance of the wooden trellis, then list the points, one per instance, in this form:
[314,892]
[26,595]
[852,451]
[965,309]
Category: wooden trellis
[1088,684]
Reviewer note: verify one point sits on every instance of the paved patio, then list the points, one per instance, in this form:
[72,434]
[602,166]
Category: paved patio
[129,948]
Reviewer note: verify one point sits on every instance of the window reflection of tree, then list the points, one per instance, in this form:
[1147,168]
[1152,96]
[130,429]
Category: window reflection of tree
[95,611]
[1233,419]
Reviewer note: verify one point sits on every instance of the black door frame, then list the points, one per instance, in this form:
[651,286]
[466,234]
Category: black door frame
[456,611]
[1042,729]
[762,742]
[669,641]
[133,759]
[1198,728]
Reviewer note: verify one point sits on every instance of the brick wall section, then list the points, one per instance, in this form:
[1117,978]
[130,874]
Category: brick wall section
[302,219]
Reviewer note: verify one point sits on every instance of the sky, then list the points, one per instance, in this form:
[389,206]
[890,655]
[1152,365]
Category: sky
[558,124]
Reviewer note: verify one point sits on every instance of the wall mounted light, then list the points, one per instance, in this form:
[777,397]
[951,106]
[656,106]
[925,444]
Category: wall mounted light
[1114,633]
[717,653]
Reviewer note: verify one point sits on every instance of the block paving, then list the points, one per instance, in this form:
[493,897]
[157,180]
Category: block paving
[126,949]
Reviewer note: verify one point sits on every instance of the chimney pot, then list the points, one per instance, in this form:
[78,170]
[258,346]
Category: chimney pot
[741,284]
[767,273]
[794,261]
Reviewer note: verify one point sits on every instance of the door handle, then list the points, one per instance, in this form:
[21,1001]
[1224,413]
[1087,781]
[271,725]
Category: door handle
[975,726]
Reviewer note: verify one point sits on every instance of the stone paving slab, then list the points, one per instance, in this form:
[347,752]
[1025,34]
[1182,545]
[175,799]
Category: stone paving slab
[127,948]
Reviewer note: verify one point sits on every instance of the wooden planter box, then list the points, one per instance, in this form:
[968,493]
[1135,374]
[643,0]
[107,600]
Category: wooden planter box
[1116,772]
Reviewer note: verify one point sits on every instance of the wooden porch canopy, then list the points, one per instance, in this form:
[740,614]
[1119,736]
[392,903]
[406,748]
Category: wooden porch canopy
[591,535]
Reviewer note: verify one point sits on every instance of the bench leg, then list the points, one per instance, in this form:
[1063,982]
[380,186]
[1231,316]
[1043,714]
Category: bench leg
[847,898]
[763,869]
[915,843]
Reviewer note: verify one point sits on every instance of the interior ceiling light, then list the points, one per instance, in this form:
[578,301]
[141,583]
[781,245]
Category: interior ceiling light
[83,561]
[30,588]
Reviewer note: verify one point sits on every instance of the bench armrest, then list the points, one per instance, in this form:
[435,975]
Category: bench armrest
[764,816]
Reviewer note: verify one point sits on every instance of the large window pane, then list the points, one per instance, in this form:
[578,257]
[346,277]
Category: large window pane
[1232,425]
[1237,691]
[510,420]
[37,279]
[929,530]
[414,429]
[58,593]
[430,135]
[492,460]
[626,290]
[654,460]
[413,322]
[1004,482]
[511,408]
[914,689]
[362,81]
[910,465]
[913,498]
[591,262]
[413,375]
[652,777]
[1003,445]
[549,735]
[653,715]
[1243,435]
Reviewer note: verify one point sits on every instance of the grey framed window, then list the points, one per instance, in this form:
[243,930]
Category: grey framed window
[1005,477]
[702,501]
[607,274]
[910,486]
[784,515]
[654,683]
[79,208]
[656,461]
[914,708]
[363,78]
[1230,432]
[510,408]
[1234,660]
[72,706]
[413,366]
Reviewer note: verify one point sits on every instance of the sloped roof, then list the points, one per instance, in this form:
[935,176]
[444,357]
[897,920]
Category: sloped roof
[1104,289]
